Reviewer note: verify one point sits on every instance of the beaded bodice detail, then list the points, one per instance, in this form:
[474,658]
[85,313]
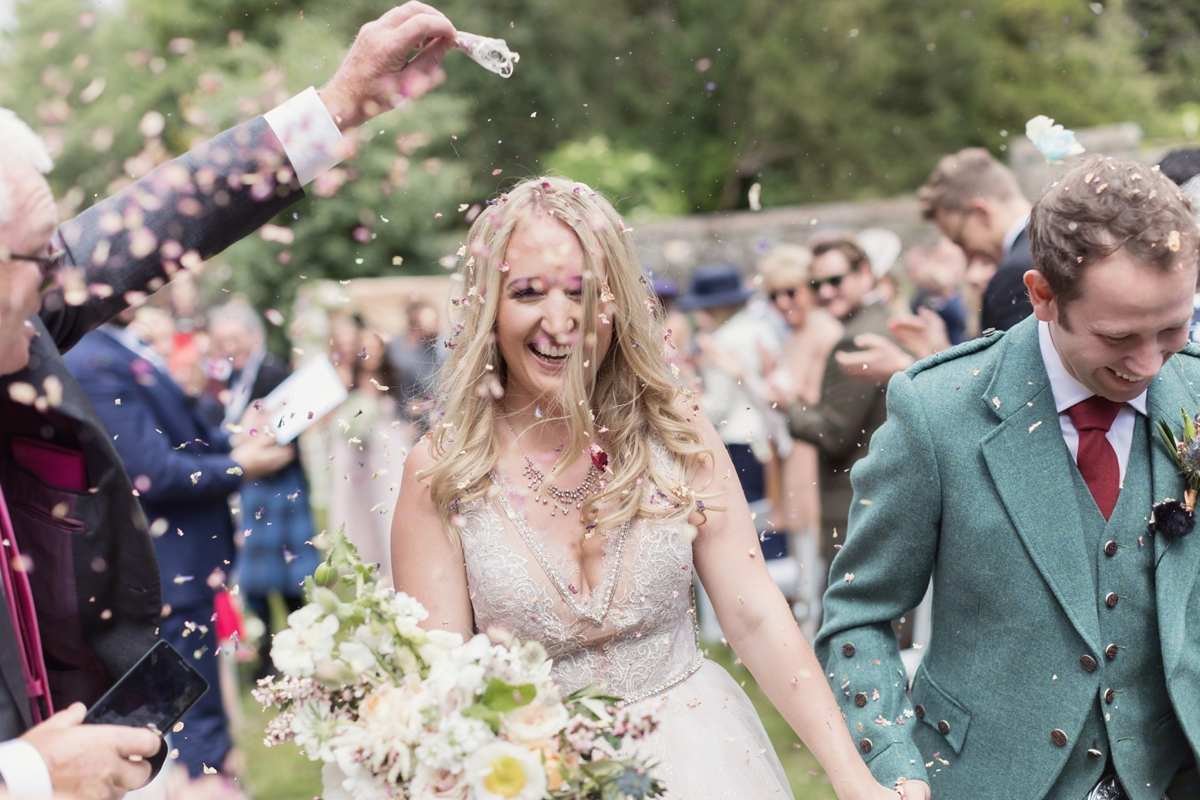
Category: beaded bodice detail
[635,635]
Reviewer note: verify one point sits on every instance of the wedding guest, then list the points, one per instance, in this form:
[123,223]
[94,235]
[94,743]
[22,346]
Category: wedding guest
[53,622]
[976,202]
[415,358]
[731,340]
[369,438]
[1023,473]
[937,273]
[812,334]
[848,412]
[678,345]
[276,521]
[183,471]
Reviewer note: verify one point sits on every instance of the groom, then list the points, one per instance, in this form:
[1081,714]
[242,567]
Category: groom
[1020,471]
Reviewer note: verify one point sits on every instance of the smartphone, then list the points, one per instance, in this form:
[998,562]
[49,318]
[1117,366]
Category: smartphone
[154,694]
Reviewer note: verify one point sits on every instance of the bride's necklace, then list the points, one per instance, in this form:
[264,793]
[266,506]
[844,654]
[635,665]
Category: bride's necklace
[563,498]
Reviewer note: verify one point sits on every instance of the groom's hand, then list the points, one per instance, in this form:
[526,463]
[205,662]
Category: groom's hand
[377,74]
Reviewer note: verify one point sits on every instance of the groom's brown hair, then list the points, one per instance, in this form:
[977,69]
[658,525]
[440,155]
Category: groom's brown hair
[1101,206]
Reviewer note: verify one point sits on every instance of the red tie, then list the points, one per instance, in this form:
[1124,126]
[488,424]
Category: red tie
[1096,459]
[20,605]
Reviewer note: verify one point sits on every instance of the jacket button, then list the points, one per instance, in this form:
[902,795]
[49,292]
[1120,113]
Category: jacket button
[865,745]
[848,650]
[1087,662]
[860,699]
[1109,696]
[1111,651]
[919,710]
[1094,753]
[1110,548]
[1110,599]
[943,727]
[1059,737]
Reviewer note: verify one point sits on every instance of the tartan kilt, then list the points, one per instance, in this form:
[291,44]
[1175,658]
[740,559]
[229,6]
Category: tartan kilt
[277,527]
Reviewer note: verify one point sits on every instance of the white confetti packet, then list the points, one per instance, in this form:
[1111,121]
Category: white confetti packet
[491,54]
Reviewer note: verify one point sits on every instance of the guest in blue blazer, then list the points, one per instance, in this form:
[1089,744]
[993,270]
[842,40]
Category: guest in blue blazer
[183,470]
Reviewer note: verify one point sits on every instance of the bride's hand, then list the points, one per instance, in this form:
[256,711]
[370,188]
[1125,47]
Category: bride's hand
[910,790]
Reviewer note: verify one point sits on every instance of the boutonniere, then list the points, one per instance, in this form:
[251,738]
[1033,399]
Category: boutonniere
[1171,517]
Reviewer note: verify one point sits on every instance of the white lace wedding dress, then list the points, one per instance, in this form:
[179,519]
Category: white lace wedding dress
[636,637]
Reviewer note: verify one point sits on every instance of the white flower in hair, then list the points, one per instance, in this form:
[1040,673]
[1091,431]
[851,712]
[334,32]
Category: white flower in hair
[307,641]
[1053,141]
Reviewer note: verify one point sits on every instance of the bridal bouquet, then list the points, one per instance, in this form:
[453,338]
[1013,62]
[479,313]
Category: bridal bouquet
[395,711]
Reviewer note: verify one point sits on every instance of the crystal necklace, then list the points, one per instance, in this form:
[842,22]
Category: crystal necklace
[563,498]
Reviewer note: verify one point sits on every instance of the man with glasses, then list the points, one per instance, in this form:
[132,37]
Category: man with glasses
[976,202]
[69,514]
[849,411]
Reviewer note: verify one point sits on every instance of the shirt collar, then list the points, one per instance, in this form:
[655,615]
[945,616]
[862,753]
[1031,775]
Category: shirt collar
[1067,390]
[1011,236]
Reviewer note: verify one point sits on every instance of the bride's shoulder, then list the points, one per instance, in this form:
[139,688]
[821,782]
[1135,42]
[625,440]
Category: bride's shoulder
[421,456]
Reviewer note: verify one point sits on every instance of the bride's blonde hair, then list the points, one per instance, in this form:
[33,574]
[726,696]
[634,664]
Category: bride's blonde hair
[632,402]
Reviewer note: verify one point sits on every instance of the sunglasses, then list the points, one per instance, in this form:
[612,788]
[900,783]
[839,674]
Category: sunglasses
[789,293]
[49,265]
[833,280]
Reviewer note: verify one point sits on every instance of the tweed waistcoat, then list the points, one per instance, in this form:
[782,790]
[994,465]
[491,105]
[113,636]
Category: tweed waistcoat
[1146,746]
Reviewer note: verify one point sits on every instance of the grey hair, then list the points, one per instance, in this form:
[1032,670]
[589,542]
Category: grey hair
[238,311]
[18,143]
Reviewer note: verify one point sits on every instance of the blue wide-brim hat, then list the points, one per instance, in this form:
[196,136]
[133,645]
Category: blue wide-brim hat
[715,285]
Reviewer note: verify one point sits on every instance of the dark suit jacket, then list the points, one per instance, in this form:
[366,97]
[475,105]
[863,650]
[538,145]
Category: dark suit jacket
[841,425]
[97,594]
[179,464]
[1006,301]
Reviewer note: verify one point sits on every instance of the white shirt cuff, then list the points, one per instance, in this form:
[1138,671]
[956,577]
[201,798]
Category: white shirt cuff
[309,135]
[24,772]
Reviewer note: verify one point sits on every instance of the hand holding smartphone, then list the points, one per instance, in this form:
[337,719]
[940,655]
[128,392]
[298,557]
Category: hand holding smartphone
[154,694]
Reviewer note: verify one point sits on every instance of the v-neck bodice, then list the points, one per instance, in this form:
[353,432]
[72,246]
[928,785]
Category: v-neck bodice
[635,635]
[558,566]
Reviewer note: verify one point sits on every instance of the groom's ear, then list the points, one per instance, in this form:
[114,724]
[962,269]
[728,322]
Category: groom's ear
[1045,305]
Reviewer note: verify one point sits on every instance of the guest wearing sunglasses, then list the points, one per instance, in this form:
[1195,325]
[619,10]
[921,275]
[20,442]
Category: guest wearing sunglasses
[811,335]
[841,423]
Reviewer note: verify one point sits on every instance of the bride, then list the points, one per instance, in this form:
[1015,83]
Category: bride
[570,489]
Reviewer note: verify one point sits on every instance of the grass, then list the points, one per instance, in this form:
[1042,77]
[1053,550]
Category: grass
[281,773]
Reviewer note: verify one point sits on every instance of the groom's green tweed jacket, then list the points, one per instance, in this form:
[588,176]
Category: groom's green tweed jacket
[969,481]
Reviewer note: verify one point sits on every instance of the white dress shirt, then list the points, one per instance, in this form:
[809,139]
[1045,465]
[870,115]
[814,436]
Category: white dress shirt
[1068,392]
[313,144]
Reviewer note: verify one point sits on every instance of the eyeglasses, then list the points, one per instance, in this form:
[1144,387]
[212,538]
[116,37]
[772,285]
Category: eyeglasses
[833,280]
[789,293]
[49,265]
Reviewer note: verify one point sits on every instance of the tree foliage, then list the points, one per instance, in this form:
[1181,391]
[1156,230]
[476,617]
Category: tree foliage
[669,106]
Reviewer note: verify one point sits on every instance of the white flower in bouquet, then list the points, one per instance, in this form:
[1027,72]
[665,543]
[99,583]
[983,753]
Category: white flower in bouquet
[505,771]
[438,784]
[344,779]
[409,613]
[393,714]
[313,725]
[535,722]
[307,641]
[358,656]
[456,737]
[437,644]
